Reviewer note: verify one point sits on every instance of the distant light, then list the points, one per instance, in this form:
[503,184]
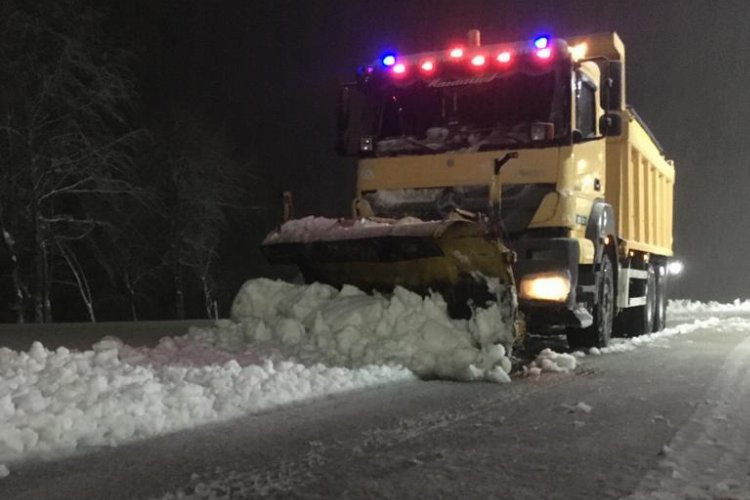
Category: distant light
[399,69]
[428,66]
[388,60]
[456,53]
[541,42]
[478,60]
[675,267]
[504,57]
[544,53]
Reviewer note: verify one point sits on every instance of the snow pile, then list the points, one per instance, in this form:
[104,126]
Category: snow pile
[555,362]
[54,403]
[679,309]
[312,228]
[287,343]
[550,361]
[318,323]
[718,325]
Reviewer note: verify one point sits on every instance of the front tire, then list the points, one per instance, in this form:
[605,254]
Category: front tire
[600,331]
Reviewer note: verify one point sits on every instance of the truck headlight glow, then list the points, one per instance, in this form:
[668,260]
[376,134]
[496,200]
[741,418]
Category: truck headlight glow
[554,286]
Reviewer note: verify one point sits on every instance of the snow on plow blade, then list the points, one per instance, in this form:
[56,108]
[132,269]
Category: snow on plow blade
[452,256]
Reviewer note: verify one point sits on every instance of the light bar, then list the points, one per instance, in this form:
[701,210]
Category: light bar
[500,55]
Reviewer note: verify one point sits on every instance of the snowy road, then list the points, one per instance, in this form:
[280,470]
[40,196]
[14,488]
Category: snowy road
[665,421]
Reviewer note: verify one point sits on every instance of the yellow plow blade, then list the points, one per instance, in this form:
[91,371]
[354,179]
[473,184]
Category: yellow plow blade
[455,257]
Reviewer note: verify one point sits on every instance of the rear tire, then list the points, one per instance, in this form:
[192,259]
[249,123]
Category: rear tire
[600,331]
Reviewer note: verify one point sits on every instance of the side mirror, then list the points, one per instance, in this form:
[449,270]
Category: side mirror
[342,120]
[610,124]
[350,120]
[611,87]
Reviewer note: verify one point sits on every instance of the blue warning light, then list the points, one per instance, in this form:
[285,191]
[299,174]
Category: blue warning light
[541,42]
[388,60]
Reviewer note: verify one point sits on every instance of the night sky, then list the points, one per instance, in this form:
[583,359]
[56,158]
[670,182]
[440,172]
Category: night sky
[269,70]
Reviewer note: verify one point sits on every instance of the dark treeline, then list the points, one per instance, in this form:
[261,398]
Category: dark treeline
[121,185]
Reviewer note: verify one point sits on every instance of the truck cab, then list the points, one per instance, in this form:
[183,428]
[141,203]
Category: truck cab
[536,137]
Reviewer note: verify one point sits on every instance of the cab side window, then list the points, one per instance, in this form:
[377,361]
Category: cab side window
[585,107]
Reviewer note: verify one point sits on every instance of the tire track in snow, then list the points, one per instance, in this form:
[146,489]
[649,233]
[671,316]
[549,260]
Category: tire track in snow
[708,457]
[287,477]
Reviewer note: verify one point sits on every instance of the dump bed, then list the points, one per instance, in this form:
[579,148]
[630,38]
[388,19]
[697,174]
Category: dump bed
[640,187]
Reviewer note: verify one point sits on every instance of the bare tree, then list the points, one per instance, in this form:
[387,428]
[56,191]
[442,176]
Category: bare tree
[65,139]
[201,183]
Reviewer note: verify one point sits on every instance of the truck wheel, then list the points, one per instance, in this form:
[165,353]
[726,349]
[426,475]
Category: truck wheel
[639,320]
[600,331]
[660,312]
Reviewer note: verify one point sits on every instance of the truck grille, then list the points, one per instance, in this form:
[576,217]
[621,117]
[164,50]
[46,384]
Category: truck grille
[519,202]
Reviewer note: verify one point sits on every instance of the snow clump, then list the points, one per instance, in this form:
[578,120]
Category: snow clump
[550,361]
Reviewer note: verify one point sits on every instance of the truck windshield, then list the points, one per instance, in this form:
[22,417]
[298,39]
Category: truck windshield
[474,114]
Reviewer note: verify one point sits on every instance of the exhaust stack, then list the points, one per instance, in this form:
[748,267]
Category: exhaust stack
[474,38]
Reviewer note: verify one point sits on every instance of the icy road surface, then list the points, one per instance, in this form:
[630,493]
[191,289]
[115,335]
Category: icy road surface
[663,417]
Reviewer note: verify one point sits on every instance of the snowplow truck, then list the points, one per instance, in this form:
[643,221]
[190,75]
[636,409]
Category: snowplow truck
[512,172]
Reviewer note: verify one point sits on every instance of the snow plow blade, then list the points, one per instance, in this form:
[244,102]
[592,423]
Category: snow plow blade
[455,256]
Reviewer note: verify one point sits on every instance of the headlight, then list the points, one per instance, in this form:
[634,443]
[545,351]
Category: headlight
[553,286]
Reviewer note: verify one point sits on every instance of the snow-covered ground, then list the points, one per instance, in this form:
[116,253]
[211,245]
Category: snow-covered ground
[285,343]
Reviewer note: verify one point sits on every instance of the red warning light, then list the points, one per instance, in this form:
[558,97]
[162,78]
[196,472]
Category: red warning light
[427,66]
[544,53]
[456,53]
[399,69]
[504,57]
[478,60]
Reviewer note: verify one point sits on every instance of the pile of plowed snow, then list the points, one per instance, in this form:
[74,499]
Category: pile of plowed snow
[318,323]
[680,309]
[54,403]
[287,343]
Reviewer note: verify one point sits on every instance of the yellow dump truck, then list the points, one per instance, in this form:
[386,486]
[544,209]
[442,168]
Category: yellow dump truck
[513,172]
